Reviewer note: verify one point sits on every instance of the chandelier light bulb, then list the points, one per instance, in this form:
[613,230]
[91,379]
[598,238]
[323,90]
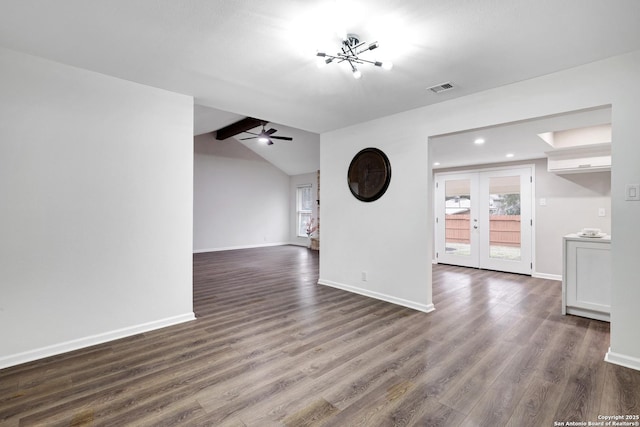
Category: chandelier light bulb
[384,65]
[357,74]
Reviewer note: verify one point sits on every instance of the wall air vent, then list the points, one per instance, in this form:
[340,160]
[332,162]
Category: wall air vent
[441,87]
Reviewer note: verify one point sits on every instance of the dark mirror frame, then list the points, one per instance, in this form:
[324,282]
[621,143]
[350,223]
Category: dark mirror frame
[369,162]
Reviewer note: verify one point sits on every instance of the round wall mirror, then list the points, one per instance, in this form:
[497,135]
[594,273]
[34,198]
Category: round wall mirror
[369,174]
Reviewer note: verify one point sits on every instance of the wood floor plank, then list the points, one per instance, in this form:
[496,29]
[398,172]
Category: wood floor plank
[465,392]
[556,362]
[271,347]
[538,404]
[374,406]
[376,368]
[256,395]
[582,396]
[621,393]
[501,397]
[311,415]
[345,384]
[436,414]
[595,344]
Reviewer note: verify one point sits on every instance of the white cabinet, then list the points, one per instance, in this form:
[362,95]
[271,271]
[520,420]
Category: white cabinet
[587,158]
[586,279]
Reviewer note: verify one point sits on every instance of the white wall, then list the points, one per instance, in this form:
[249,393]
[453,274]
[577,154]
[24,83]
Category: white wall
[387,239]
[240,200]
[572,204]
[391,238]
[95,218]
[295,181]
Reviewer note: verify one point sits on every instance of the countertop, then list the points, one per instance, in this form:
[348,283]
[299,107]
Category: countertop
[574,236]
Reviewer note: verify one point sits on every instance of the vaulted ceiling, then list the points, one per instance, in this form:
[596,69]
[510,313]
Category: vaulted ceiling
[248,58]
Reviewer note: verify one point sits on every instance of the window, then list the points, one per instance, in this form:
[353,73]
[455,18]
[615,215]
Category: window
[304,206]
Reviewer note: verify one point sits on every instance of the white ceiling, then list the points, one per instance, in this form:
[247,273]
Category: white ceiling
[302,155]
[248,58]
[519,139]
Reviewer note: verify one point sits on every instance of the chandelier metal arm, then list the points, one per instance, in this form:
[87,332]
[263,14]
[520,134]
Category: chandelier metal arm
[352,48]
[370,47]
[350,52]
[362,61]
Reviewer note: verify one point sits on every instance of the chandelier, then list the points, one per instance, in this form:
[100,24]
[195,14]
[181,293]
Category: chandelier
[350,50]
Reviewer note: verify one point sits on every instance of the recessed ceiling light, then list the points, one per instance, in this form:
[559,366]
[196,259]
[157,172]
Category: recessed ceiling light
[436,163]
[479,141]
[510,155]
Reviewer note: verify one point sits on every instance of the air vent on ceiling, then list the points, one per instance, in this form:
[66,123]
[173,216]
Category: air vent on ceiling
[441,87]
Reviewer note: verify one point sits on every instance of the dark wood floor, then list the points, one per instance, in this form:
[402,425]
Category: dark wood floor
[271,347]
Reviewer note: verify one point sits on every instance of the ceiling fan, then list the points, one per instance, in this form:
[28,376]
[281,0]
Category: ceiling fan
[267,136]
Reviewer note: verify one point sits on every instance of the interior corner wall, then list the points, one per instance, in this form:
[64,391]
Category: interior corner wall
[240,200]
[295,181]
[96,220]
[391,239]
[572,203]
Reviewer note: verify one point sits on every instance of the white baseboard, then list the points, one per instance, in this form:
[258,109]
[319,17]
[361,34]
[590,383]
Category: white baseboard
[233,248]
[52,350]
[426,308]
[622,360]
[535,274]
[547,276]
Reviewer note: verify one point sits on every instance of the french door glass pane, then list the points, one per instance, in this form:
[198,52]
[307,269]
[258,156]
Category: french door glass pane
[504,218]
[457,217]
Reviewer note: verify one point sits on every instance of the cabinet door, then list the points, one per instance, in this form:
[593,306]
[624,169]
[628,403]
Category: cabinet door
[589,275]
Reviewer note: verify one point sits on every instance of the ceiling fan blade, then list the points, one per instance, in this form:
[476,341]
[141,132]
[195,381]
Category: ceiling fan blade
[271,131]
[284,138]
[251,137]
[252,133]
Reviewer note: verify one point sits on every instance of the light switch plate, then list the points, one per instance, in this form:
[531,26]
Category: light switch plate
[632,192]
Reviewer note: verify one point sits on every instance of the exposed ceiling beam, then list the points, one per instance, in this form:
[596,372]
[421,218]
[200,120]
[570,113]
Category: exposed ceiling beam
[238,127]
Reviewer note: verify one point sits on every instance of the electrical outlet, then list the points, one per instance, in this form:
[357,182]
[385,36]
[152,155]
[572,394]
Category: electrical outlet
[602,212]
[543,201]
[364,276]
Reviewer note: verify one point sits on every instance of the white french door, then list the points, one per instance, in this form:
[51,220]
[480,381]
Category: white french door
[484,219]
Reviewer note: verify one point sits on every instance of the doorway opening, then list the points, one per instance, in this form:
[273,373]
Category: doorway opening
[484,219]
[562,201]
